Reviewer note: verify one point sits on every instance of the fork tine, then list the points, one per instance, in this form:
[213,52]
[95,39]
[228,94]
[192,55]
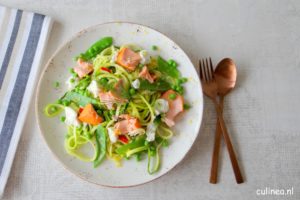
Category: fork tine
[211,68]
[202,70]
[206,69]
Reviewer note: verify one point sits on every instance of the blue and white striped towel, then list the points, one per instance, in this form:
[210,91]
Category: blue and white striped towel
[23,36]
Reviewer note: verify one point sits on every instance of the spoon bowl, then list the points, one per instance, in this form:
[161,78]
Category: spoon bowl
[225,75]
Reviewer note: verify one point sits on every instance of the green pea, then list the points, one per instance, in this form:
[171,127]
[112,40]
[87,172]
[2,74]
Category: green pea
[154,48]
[172,63]
[72,80]
[132,91]
[63,118]
[172,96]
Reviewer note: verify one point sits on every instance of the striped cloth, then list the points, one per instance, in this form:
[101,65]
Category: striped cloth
[23,37]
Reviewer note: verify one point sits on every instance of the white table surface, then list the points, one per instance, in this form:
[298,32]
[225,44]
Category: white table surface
[262,114]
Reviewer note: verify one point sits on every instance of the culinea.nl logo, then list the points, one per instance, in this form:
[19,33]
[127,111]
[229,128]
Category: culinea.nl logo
[271,191]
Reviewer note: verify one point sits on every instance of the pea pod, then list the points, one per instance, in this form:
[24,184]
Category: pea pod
[96,48]
[165,68]
[80,99]
[159,85]
[101,134]
[139,142]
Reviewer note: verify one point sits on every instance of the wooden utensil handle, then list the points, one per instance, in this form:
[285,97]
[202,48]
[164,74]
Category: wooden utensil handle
[234,162]
[216,151]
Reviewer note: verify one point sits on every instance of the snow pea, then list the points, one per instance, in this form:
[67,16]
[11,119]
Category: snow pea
[80,99]
[96,48]
[159,85]
[167,69]
[139,142]
[101,134]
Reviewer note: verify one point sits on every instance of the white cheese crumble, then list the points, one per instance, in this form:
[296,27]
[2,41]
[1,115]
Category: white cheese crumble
[112,136]
[138,131]
[150,132]
[93,88]
[114,56]
[145,57]
[136,84]
[71,117]
[161,106]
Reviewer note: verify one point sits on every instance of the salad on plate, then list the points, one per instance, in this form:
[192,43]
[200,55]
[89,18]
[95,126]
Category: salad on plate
[121,102]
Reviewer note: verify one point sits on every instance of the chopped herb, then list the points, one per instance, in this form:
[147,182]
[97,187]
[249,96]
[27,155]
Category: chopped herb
[56,84]
[63,118]
[72,80]
[138,157]
[66,103]
[112,112]
[183,80]
[165,143]
[99,112]
[186,106]
[71,70]
[59,101]
[103,81]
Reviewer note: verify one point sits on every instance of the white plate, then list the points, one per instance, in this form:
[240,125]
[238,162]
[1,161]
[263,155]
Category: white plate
[131,173]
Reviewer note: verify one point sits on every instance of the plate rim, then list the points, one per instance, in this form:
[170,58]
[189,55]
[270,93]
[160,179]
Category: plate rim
[46,66]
